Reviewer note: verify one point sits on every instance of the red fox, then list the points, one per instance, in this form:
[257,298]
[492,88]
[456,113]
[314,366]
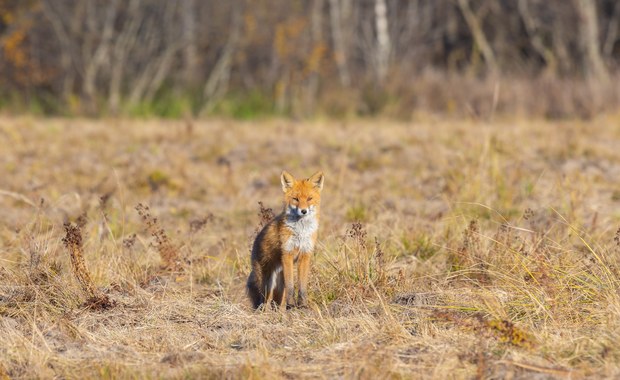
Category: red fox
[288,238]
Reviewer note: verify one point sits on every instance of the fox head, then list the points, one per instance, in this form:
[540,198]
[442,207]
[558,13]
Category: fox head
[302,197]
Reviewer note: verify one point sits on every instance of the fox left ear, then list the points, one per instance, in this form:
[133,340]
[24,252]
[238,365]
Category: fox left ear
[317,180]
[287,180]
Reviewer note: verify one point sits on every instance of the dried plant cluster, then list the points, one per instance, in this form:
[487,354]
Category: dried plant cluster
[446,249]
[169,255]
[73,243]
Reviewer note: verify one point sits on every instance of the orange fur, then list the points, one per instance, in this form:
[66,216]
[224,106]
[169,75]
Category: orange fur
[288,238]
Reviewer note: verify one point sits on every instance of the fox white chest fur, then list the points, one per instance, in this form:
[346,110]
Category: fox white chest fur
[303,230]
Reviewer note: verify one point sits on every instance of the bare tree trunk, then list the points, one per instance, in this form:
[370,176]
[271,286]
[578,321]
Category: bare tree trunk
[338,40]
[316,53]
[158,49]
[612,32]
[123,44]
[162,69]
[593,64]
[190,51]
[478,34]
[347,27]
[142,79]
[411,22]
[561,49]
[531,29]
[100,55]
[68,56]
[383,40]
[218,78]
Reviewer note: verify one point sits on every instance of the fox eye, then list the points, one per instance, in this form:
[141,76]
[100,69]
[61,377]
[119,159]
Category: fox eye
[296,199]
[309,199]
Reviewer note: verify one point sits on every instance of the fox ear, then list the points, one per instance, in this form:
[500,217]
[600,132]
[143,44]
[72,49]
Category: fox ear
[317,180]
[287,180]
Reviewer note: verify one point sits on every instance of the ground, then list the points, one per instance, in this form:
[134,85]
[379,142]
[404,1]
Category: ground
[447,249]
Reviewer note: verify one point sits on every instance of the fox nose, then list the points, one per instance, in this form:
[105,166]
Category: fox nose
[304,211]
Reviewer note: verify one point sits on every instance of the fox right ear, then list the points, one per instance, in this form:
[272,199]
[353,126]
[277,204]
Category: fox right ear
[317,180]
[287,181]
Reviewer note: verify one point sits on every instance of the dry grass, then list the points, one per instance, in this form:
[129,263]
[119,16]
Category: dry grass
[447,249]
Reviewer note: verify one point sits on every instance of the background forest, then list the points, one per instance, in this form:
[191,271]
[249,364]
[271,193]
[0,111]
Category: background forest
[335,57]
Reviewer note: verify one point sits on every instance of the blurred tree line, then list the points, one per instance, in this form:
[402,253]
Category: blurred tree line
[548,57]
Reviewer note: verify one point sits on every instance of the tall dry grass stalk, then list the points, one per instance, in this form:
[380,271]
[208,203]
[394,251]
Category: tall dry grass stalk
[73,243]
[168,253]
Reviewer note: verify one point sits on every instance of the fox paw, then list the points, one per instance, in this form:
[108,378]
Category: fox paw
[302,303]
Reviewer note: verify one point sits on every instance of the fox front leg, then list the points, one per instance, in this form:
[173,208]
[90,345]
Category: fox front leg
[302,276]
[287,270]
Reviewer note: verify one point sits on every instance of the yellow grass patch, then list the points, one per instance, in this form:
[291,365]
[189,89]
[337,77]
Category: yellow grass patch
[446,249]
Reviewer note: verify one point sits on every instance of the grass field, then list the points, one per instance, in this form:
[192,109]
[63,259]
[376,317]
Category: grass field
[446,249]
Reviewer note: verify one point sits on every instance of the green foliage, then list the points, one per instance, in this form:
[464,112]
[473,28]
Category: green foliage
[41,104]
[245,106]
[166,105]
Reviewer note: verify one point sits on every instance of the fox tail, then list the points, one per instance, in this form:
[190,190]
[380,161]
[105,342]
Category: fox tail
[256,296]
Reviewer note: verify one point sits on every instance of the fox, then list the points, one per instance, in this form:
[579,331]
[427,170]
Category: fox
[287,239]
